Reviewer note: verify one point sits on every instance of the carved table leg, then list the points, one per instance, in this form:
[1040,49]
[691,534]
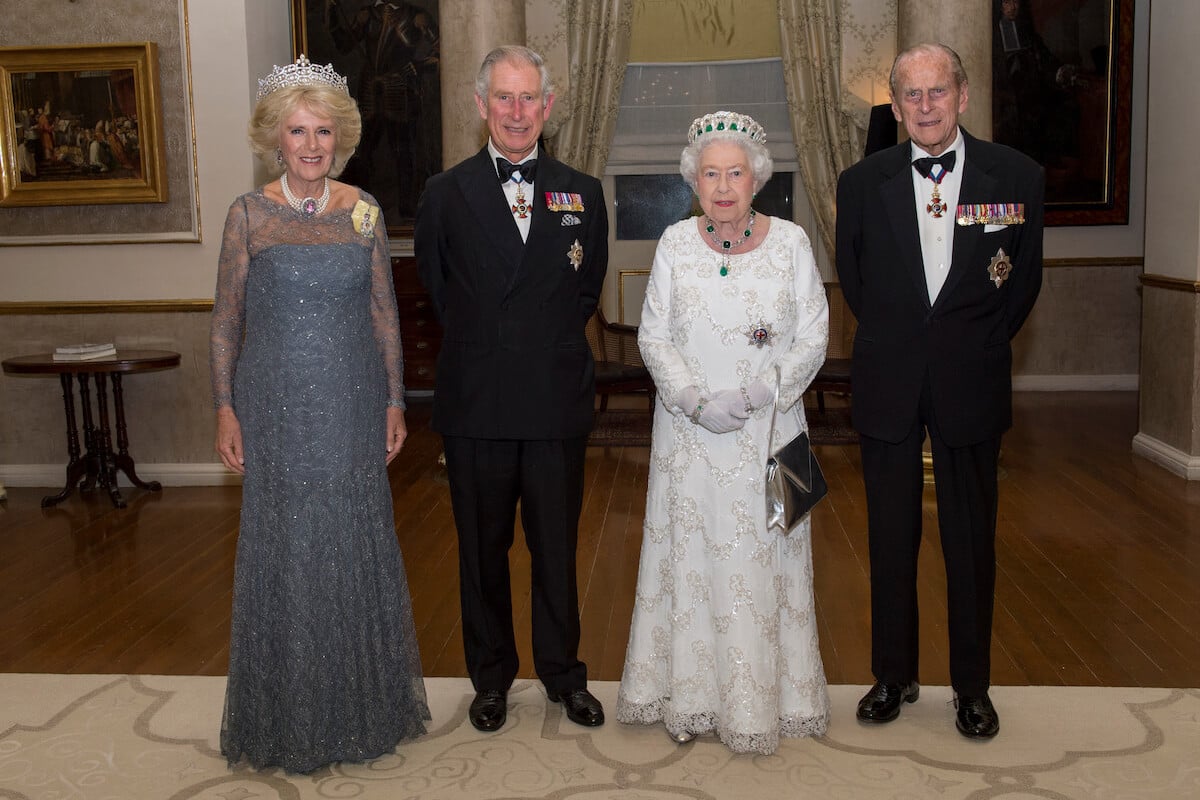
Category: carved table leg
[123,460]
[76,467]
[108,469]
[90,446]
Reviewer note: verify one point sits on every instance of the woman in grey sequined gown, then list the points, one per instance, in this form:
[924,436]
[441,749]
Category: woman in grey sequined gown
[307,381]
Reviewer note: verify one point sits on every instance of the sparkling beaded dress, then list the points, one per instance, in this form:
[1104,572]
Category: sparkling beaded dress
[323,661]
[724,637]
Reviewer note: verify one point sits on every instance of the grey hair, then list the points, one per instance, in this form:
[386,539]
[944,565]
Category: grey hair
[513,54]
[929,48]
[761,165]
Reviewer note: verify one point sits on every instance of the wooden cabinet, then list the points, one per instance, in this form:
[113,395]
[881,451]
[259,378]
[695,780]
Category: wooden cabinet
[420,333]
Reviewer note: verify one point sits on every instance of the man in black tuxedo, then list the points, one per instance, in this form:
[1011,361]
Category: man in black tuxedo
[515,274]
[941,263]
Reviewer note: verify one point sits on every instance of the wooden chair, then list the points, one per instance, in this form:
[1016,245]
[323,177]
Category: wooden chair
[619,366]
[834,374]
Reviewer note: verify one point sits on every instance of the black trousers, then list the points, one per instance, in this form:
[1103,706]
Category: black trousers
[488,478]
[966,487]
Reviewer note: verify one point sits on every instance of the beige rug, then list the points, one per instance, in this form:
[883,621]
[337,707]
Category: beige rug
[78,737]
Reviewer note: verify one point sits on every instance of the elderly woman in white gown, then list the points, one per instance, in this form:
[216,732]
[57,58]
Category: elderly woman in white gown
[724,637]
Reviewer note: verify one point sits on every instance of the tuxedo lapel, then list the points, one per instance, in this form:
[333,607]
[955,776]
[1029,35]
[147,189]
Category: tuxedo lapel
[487,203]
[978,186]
[901,205]
[550,177]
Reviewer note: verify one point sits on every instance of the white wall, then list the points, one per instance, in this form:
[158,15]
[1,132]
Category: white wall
[1174,119]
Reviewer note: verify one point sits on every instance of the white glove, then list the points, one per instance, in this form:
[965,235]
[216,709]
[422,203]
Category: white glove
[724,412]
[721,413]
[688,399]
[759,394]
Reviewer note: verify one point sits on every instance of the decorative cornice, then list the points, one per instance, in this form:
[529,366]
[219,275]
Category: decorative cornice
[1171,284]
[107,307]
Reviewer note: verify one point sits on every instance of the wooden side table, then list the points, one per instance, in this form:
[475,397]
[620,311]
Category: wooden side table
[97,464]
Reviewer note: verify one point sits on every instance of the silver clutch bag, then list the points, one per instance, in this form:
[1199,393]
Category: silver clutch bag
[794,482]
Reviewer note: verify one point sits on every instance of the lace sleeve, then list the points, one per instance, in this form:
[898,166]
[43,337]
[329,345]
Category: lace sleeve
[229,306]
[800,362]
[657,331]
[384,317]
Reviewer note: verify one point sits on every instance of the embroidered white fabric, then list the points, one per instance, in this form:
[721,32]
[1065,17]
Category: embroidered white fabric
[724,636]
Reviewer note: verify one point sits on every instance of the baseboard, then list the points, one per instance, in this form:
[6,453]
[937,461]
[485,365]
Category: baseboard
[1075,383]
[1169,458]
[53,475]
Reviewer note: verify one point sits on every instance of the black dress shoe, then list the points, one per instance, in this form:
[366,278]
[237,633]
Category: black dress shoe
[882,703]
[489,709]
[976,717]
[582,708]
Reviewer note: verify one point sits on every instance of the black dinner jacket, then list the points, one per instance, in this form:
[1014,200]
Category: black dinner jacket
[514,360]
[961,342]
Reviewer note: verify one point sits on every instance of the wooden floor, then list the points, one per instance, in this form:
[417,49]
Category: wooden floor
[1098,551]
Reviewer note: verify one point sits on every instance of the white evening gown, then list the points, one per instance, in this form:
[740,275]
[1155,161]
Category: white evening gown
[724,636]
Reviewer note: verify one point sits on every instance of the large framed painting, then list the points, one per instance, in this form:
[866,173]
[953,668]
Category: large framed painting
[83,125]
[1061,93]
[390,54]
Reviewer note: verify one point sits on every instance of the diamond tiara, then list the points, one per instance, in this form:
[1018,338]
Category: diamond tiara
[727,122]
[301,73]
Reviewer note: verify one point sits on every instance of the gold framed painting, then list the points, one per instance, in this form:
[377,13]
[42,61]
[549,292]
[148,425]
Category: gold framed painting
[84,125]
[1062,89]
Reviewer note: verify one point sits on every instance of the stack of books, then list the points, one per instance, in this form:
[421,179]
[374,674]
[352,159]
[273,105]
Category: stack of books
[84,352]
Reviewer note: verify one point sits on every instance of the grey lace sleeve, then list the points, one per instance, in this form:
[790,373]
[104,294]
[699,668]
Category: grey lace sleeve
[384,317]
[229,305]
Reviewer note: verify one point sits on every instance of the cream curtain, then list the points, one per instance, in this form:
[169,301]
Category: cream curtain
[827,140]
[598,34]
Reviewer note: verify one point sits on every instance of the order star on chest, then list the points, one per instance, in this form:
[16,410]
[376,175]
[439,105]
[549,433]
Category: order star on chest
[760,335]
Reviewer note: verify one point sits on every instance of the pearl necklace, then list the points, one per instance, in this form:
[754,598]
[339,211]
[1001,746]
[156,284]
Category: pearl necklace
[309,206]
[725,244]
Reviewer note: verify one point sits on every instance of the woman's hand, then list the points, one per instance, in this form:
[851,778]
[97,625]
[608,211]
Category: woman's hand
[229,440]
[397,432]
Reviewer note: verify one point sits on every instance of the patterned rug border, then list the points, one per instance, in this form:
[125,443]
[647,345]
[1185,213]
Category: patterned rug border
[156,737]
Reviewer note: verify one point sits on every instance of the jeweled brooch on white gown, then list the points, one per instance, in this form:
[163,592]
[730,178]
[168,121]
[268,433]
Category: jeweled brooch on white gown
[760,335]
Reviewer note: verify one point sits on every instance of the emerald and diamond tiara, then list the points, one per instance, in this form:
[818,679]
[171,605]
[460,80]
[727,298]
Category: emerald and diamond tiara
[727,122]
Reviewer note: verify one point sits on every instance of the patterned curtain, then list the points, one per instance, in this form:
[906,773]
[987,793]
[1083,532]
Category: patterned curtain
[598,34]
[827,139]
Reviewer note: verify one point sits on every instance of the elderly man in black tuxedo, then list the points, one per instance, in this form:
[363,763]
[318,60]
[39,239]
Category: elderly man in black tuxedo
[939,254]
[515,274]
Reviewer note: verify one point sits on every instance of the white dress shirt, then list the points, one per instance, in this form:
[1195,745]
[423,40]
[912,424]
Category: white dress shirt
[937,235]
[510,189]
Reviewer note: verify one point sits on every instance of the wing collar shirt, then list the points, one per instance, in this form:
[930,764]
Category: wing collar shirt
[937,234]
[510,188]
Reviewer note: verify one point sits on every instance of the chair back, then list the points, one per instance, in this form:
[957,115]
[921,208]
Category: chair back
[595,336]
[842,324]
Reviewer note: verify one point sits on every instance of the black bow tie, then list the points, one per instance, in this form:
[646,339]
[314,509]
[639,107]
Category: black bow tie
[925,165]
[505,169]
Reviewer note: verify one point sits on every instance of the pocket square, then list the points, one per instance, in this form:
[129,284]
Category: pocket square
[990,228]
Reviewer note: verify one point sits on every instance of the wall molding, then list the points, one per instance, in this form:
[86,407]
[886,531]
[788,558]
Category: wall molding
[1120,261]
[1169,283]
[1170,458]
[1075,383]
[52,475]
[106,307]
